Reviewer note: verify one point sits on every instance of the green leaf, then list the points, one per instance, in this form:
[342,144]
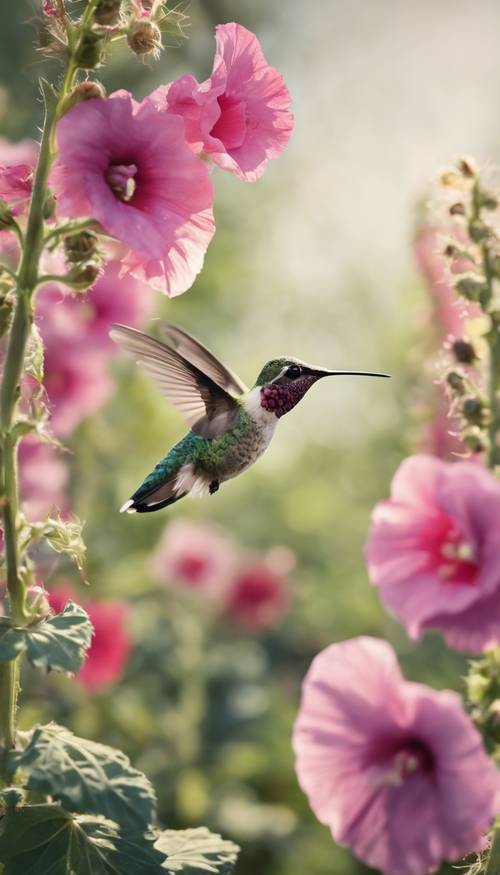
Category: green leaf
[86,776]
[65,536]
[191,851]
[56,644]
[47,839]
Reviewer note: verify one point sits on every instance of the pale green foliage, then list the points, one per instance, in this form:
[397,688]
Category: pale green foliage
[86,776]
[55,644]
[65,536]
[197,850]
[34,358]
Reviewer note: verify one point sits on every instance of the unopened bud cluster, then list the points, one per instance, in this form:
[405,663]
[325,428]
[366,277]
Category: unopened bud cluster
[483,693]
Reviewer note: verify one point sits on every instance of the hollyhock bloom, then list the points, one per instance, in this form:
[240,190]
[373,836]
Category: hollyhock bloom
[395,769]
[195,556]
[76,381]
[241,115]
[17,165]
[258,595]
[43,478]
[433,551]
[89,316]
[451,312]
[107,655]
[128,167]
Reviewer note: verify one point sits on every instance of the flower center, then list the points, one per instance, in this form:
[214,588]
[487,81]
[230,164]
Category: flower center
[395,761]
[450,555]
[120,178]
[192,569]
[231,126]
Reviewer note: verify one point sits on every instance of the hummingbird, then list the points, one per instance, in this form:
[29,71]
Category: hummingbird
[230,424]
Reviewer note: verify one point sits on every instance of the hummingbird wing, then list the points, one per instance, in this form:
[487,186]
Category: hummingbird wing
[195,352]
[207,408]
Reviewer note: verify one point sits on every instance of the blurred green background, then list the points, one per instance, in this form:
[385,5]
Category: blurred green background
[314,260]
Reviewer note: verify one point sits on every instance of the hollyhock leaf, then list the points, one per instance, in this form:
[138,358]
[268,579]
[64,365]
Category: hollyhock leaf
[197,850]
[56,644]
[86,776]
[65,536]
[48,839]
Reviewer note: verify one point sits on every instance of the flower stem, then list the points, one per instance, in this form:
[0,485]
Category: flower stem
[493,867]
[9,687]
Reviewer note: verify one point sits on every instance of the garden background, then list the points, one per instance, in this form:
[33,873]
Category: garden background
[315,260]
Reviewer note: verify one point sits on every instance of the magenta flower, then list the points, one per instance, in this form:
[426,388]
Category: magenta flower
[17,165]
[241,115]
[258,596]
[128,167]
[43,478]
[395,769]
[196,556]
[111,644]
[433,551]
[89,316]
[76,381]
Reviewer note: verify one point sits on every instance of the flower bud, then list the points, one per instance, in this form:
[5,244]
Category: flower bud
[6,217]
[478,231]
[144,37]
[82,276]
[473,410]
[467,168]
[452,179]
[470,287]
[457,210]
[487,201]
[463,351]
[88,52]
[83,91]
[49,207]
[52,9]
[450,251]
[80,246]
[107,12]
[6,308]
[455,382]
[472,440]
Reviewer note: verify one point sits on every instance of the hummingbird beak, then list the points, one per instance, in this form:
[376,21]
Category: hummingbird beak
[322,372]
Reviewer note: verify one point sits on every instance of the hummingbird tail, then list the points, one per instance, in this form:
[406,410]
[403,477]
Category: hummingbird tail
[149,498]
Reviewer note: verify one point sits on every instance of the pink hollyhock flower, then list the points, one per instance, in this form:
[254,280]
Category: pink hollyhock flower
[196,556]
[89,316]
[450,311]
[258,595]
[395,769]
[17,165]
[433,551]
[241,115]
[128,166]
[76,381]
[43,478]
[107,655]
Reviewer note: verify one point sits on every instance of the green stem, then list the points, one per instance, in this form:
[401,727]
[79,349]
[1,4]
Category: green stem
[9,686]
[493,867]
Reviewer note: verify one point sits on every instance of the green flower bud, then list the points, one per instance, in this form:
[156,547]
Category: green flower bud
[455,382]
[144,37]
[80,246]
[82,276]
[470,287]
[472,440]
[6,308]
[107,12]
[6,217]
[478,231]
[83,91]
[473,410]
[88,52]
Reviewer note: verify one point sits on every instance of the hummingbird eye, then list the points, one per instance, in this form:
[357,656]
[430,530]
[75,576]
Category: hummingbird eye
[293,372]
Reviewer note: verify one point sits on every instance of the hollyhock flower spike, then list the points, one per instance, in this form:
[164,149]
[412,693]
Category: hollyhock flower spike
[395,769]
[433,550]
[240,117]
[111,644]
[128,167]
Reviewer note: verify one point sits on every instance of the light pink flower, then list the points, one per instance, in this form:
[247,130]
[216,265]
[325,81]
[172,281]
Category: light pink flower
[450,310]
[395,769]
[17,165]
[128,166]
[43,478]
[258,595]
[111,644]
[433,551]
[89,316]
[76,381]
[241,115]
[196,556]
